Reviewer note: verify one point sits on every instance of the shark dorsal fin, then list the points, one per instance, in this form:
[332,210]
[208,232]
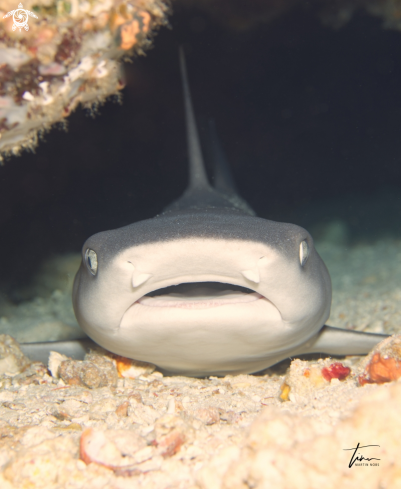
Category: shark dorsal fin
[200,195]
[197,174]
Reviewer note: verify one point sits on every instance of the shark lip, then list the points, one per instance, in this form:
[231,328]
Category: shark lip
[201,295]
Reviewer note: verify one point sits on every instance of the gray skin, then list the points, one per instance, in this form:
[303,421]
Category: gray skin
[207,238]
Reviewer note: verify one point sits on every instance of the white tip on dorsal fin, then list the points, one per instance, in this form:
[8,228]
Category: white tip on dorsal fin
[197,175]
[253,274]
[139,278]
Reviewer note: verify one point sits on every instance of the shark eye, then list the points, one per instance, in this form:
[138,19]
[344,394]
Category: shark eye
[303,252]
[91,261]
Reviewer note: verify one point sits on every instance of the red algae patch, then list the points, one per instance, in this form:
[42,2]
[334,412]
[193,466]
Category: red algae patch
[336,371]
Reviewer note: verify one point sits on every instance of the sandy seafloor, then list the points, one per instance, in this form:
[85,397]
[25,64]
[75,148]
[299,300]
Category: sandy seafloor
[232,432]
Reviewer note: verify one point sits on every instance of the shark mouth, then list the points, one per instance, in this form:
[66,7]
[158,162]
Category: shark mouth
[198,323]
[200,295]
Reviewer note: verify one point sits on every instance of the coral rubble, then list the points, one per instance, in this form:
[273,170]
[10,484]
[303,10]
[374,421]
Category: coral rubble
[12,360]
[383,364]
[69,55]
[155,431]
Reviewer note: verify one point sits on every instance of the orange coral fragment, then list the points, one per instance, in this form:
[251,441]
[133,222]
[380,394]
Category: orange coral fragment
[130,31]
[130,369]
[123,364]
[380,370]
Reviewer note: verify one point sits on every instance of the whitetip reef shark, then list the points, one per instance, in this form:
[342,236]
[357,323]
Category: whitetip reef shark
[206,287]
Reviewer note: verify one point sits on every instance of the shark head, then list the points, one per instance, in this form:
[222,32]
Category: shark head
[206,287]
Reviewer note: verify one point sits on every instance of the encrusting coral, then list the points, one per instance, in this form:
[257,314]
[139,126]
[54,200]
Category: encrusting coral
[69,55]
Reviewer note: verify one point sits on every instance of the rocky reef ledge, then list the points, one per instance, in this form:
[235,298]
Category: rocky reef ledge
[69,55]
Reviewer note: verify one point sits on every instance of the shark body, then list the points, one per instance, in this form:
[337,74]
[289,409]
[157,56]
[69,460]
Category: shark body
[206,288]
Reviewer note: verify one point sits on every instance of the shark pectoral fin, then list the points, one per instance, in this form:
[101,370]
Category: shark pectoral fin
[39,352]
[337,341]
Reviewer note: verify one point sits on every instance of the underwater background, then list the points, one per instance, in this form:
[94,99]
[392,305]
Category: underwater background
[309,117]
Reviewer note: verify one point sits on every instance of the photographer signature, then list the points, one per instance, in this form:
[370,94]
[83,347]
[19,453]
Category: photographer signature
[354,458]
